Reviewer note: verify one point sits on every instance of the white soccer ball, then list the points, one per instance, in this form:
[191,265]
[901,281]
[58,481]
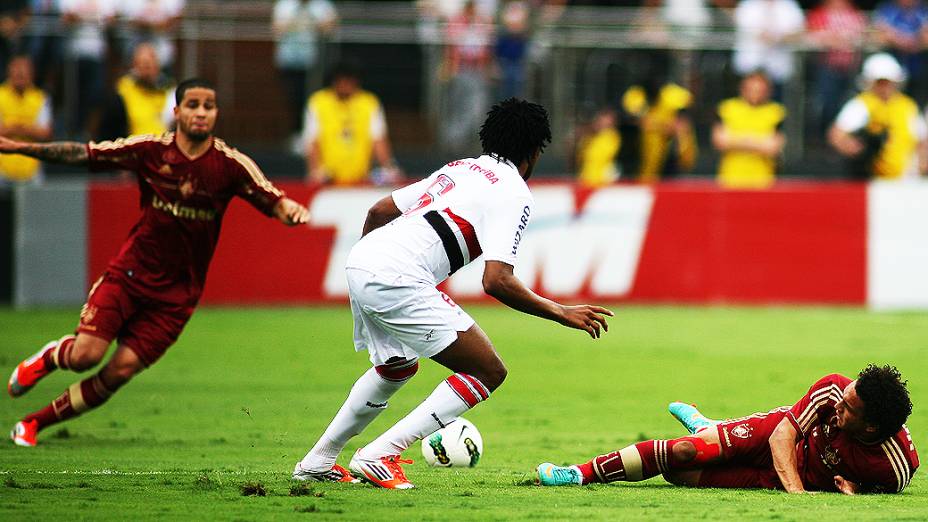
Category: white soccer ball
[458,444]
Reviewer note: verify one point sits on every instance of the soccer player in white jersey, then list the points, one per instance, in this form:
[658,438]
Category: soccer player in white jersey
[413,240]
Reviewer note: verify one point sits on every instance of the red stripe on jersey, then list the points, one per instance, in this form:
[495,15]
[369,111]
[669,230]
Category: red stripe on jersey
[470,236]
[463,390]
[477,385]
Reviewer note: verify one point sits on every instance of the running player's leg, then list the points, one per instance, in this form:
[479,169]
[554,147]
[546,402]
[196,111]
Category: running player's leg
[392,367]
[81,396]
[107,308]
[641,461]
[478,371]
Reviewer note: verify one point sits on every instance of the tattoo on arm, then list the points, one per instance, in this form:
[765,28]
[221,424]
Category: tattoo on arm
[69,152]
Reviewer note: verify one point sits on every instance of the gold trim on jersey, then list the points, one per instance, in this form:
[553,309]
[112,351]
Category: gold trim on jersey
[248,164]
[898,462]
[164,139]
[817,399]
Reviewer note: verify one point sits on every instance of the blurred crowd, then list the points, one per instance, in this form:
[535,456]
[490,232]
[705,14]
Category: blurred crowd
[870,83]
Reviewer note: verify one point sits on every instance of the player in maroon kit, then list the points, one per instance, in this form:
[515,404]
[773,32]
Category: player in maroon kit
[149,290]
[843,435]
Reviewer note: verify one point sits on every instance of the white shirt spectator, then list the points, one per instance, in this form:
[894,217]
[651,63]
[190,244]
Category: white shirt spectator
[154,13]
[295,23]
[761,27]
[88,35]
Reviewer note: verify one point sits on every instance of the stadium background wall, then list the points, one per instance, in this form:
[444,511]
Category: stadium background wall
[847,244]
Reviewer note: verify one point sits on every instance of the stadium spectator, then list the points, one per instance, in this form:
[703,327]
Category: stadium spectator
[26,115]
[765,31]
[748,135]
[843,435]
[598,149]
[902,28]
[155,22]
[298,25]
[470,208]
[143,102]
[511,48]
[838,27]
[344,126]
[46,45]
[150,289]
[465,73]
[666,142]
[881,131]
[13,17]
[86,22]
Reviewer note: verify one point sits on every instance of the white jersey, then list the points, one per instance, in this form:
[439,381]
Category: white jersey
[467,208]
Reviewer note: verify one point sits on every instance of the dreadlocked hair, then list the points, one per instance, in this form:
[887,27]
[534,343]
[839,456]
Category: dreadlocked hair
[515,129]
[885,397]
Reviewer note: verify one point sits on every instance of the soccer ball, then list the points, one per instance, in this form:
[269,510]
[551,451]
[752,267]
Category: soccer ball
[458,444]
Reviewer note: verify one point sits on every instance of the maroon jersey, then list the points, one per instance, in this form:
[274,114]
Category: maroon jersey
[825,450]
[182,200]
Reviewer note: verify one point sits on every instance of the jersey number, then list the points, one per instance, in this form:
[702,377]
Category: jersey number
[441,186]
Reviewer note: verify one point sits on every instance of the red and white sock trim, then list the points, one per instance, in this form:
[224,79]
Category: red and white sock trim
[468,388]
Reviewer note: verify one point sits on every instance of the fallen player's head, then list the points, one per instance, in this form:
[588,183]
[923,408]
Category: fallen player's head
[885,399]
[516,130]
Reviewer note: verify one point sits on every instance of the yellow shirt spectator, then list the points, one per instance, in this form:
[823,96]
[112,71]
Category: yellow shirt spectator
[896,122]
[597,152]
[344,130]
[148,109]
[744,124]
[660,126]
[29,108]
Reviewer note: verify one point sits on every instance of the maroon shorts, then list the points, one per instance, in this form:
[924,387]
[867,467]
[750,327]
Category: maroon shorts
[146,326]
[746,449]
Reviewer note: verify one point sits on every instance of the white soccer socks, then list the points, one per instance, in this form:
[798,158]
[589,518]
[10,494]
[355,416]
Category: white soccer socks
[368,397]
[451,399]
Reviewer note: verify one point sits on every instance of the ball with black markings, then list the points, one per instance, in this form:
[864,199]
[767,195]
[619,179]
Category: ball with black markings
[458,444]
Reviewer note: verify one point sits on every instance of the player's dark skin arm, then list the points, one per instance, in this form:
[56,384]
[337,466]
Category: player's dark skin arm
[67,152]
[783,449]
[383,212]
[500,283]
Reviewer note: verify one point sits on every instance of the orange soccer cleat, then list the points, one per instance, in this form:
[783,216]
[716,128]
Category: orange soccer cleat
[384,472]
[24,433]
[30,371]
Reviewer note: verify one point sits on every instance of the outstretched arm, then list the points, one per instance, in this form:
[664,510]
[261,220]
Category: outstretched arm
[783,449]
[68,152]
[500,283]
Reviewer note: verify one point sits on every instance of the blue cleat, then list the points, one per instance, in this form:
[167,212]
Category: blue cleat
[551,475]
[689,417]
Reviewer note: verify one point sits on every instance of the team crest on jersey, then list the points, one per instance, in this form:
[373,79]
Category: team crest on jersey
[742,431]
[186,188]
[165,170]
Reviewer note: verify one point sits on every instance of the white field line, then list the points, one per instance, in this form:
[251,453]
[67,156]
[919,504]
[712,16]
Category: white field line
[135,473]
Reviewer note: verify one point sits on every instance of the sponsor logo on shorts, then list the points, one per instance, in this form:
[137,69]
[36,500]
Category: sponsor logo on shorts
[428,336]
[742,431]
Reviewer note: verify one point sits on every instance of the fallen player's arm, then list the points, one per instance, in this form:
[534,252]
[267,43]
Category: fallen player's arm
[846,486]
[383,212]
[783,449]
[67,152]
[290,212]
[500,283]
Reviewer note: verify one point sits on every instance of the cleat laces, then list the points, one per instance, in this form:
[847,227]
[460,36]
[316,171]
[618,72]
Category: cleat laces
[393,464]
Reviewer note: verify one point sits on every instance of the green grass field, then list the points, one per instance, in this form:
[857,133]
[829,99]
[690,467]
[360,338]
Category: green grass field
[245,392]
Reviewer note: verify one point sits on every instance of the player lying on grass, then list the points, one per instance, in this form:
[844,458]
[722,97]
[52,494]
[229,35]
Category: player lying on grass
[413,240]
[150,289]
[843,435]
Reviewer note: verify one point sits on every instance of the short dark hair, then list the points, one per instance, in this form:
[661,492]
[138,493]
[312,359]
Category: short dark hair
[515,129]
[346,68]
[190,83]
[885,397]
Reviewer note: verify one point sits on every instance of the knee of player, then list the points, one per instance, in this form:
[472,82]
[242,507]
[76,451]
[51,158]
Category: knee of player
[81,360]
[494,376]
[683,451]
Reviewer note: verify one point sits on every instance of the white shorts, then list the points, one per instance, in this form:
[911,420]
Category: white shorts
[399,317]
